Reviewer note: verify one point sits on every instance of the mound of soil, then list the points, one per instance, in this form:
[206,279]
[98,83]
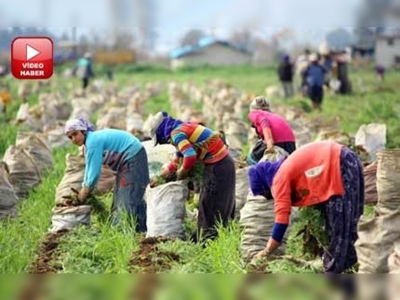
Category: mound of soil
[43,262]
[149,259]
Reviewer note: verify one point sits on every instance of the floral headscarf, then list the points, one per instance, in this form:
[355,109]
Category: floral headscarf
[80,123]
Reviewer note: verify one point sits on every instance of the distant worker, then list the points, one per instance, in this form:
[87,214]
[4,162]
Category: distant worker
[380,72]
[342,73]
[83,69]
[314,78]
[302,62]
[285,72]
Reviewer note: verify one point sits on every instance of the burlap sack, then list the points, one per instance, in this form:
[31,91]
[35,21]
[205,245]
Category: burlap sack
[257,219]
[73,178]
[166,209]
[394,260]
[388,180]
[276,156]
[8,198]
[106,182]
[38,149]
[70,217]
[376,238]
[24,173]
[241,189]
[371,193]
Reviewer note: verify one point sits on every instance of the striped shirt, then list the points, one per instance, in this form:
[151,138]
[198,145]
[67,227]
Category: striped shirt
[194,141]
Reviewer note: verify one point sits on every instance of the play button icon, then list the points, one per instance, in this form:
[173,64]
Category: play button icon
[31,52]
[32,58]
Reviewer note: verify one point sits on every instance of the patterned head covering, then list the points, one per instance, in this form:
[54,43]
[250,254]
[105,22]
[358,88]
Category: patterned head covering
[161,127]
[260,103]
[262,175]
[78,124]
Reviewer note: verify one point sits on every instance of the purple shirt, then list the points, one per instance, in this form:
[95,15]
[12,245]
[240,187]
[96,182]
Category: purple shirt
[280,128]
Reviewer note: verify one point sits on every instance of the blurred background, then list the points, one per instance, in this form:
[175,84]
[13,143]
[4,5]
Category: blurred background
[164,31]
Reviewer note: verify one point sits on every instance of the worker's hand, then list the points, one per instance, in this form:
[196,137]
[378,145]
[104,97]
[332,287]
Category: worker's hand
[83,194]
[167,174]
[270,149]
[182,174]
[263,255]
[153,182]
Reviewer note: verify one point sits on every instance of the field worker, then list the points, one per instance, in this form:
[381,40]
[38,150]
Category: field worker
[272,130]
[315,76]
[193,142]
[324,174]
[285,73]
[123,153]
[83,69]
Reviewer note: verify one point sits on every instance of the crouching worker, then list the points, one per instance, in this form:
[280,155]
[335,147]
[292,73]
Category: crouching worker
[194,141]
[272,130]
[320,173]
[123,153]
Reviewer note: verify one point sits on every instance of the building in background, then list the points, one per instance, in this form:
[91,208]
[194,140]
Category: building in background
[211,52]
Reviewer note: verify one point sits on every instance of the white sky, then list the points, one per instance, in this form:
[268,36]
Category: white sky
[310,19]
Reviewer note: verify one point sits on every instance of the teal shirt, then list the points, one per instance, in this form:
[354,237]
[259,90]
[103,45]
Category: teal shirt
[111,147]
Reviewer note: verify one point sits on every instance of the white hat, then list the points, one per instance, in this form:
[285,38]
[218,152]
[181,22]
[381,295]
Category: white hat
[155,122]
[260,103]
[313,57]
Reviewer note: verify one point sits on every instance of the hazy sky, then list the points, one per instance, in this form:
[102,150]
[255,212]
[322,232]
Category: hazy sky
[310,19]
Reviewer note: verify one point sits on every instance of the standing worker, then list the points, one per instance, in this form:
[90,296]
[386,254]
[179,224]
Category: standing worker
[83,69]
[123,153]
[285,73]
[314,76]
[272,130]
[194,141]
[324,174]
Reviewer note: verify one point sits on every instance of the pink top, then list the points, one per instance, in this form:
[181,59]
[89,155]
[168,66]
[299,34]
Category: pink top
[280,128]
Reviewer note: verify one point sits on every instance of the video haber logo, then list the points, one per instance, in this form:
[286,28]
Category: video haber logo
[32,58]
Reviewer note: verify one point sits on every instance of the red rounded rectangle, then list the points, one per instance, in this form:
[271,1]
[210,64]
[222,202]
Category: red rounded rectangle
[32,58]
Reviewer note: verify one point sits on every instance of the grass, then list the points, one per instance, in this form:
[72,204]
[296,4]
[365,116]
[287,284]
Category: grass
[20,237]
[105,249]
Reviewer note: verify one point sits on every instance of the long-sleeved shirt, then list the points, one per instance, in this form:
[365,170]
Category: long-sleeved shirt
[110,147]
[194,141]
[280,128]
[309,176]
[314,75]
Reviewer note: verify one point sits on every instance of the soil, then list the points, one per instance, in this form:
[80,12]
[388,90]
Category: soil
[43,263]
[149,259]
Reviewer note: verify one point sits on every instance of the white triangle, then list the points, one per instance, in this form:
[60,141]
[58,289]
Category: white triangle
[31,52]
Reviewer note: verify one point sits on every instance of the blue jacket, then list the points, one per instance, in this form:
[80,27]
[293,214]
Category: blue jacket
[110,147]
[314,75]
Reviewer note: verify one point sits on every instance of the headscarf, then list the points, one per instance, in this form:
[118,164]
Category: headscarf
[286,58]
[80,123]
[163,132]
[262,175]
[260,103]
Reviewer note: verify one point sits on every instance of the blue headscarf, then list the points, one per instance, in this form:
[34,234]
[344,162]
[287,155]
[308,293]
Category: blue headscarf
[262,175]
[286,58]
[164,130]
